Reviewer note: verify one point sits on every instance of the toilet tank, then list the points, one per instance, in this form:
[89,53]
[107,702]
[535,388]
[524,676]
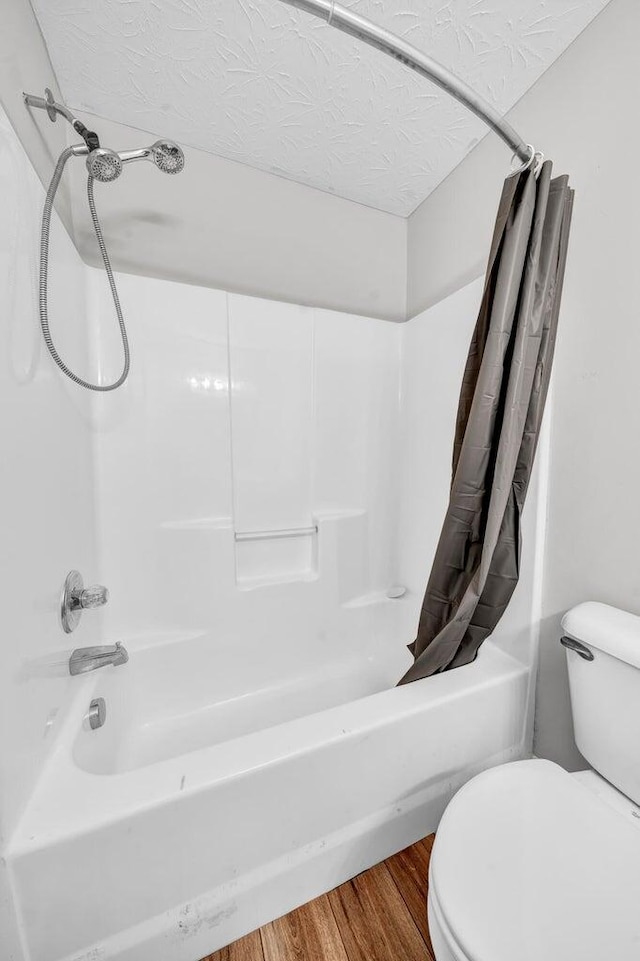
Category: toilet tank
[605,691]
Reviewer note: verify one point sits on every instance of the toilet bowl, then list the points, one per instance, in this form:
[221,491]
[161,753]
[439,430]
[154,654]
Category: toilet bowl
[532,863]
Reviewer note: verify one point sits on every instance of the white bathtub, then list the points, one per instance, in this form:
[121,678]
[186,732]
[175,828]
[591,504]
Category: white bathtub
[210,803]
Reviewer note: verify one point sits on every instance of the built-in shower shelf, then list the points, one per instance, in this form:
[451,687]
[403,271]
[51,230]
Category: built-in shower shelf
[278,556]
[277,534]
[371,599]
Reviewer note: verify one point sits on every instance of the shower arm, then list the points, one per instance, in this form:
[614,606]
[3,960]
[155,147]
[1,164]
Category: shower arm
[369,32]
[126,156]
[54,108]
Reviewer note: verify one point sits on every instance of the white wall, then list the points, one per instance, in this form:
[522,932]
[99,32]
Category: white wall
[581,114]
[46,508]
[242,415]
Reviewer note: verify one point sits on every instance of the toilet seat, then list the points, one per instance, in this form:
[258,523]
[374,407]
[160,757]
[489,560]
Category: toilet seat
[528,864]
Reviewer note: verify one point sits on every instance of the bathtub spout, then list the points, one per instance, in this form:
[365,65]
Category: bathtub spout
[86,659]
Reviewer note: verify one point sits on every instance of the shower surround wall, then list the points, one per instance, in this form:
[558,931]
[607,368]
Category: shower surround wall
[243,419]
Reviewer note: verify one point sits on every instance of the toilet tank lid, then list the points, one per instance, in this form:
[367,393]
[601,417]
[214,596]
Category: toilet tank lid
[605,628]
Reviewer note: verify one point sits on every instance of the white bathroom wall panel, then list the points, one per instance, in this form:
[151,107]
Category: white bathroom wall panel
[357,386]
[46,508]
[271,359]
[241,416]
[178,339]
[161,443]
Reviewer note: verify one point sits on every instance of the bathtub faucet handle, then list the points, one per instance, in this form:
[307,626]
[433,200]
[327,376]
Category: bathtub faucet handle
[77,598]
[94,596]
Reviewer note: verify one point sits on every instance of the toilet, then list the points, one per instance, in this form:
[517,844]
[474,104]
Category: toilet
[532,863]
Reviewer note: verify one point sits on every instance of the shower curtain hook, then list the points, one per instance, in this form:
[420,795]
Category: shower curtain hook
[331,12]
[538,160]
[535,161]
[527,163]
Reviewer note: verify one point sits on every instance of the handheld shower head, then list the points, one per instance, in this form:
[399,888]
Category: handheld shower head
[167,156]
[104,165]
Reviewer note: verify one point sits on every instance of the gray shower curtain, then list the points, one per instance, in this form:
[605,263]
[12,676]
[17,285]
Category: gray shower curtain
[504,388]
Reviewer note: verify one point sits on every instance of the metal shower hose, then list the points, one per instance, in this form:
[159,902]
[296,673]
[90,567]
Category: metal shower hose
[44,269]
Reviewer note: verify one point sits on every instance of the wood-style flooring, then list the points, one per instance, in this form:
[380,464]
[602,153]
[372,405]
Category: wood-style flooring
[380,915]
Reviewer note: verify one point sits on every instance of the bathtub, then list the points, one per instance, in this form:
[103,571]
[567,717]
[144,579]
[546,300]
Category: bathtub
[229,786]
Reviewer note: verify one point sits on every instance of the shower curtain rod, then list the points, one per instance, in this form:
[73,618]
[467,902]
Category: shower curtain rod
[369,32]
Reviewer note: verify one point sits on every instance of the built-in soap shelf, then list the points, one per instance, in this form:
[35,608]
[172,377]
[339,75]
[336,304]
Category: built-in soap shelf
[391,594]
[276,534]
[277,556]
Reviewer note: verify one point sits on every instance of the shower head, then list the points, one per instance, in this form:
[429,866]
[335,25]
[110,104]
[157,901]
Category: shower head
[167,156]
[106,165]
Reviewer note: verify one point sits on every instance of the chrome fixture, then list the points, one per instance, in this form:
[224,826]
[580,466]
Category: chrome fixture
[77,598]
[85,659]
[97,713]
[106,165]
[581,649]
[103,165]
[283,532]
[394,46]
[49,104]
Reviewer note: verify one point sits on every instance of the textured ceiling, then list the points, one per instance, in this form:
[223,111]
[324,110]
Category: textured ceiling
[267,85]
